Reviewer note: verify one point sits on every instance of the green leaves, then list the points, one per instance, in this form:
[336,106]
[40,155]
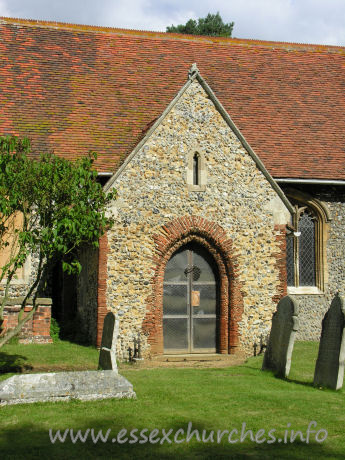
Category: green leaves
[71,267]
[11,144]
[62,204]
[211,25]
[48,207]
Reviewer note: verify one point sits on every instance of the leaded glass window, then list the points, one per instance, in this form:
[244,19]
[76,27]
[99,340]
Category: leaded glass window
[306,254]
[301,249]
[306,247]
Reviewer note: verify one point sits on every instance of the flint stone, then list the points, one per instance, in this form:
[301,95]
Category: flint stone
[107,354]
[282,337]
[64,386]
[329,369]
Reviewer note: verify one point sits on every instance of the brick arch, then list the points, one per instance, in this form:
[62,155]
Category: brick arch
[212,237]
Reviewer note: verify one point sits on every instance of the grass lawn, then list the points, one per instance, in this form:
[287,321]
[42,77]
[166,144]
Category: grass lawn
[212,399]
[58,356]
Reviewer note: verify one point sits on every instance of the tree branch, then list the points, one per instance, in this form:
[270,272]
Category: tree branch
[21,321]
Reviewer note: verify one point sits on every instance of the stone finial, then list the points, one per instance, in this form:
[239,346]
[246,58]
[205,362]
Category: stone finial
[193,70]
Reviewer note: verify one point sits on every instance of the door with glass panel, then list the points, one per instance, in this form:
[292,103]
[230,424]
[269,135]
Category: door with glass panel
[190,302]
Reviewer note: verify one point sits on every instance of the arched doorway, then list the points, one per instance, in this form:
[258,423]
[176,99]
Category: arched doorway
[190,301]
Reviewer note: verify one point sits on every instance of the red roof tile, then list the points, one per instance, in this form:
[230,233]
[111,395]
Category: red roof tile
[74,88]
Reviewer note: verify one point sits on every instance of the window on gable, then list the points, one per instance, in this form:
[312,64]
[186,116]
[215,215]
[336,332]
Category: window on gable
[305,247]
[196,168]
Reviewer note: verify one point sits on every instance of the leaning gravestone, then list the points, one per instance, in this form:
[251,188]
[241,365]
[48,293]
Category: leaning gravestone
[329,369]
[282,337]
[107,355]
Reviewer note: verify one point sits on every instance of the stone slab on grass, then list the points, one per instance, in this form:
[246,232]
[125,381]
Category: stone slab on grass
[64,386]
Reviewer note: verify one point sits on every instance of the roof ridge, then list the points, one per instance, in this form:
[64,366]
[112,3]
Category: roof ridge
[169,36]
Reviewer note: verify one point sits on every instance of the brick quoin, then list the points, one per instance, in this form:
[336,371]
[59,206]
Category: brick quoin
[214,239]
[281,262]
[102,286]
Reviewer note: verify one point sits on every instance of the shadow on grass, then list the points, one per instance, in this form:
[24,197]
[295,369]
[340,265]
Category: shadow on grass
[288,380]
[13,364]
[29,441]
[299,382]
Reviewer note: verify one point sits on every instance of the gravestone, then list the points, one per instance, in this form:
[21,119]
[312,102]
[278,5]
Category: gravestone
[278,353]
[329,369]
[64,386]
[107,355]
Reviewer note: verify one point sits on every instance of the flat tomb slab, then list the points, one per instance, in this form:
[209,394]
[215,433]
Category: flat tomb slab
[64,386]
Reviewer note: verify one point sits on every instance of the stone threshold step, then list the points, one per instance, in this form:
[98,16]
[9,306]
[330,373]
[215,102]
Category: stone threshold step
[192,357]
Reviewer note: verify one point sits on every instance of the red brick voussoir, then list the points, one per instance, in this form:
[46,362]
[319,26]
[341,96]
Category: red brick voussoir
[213,238]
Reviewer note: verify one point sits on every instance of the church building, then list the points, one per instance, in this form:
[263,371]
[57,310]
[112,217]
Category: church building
[228,158]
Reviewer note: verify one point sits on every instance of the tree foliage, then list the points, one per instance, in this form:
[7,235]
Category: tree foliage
[211,25]
[59,206]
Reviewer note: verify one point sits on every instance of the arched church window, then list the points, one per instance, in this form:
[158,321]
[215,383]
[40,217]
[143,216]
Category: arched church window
[196,170]
[301,256]
[305,246]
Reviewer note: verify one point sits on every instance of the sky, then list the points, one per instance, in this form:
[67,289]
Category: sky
[300,21]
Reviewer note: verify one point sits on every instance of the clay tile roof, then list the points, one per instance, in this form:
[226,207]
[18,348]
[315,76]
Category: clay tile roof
[74,88]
